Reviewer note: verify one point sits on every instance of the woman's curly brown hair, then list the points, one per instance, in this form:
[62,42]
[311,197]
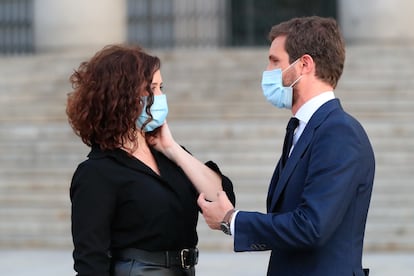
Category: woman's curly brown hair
[106,100]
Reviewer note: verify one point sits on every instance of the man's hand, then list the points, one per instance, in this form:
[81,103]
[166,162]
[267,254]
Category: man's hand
[215,211]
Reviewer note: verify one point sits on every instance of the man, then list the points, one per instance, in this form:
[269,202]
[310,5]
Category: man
[318,198]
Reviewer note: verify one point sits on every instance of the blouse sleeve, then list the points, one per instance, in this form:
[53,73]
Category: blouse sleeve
[226,183]
[93,203]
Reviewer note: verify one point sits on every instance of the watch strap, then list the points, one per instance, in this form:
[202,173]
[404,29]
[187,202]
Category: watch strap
[226,218]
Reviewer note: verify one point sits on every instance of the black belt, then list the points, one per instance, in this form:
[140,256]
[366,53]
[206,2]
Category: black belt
[184,258]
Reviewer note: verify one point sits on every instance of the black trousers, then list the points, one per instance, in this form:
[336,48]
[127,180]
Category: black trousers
[137,268]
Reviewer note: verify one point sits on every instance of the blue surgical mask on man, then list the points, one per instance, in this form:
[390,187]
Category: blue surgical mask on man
[159,112]
[273,89]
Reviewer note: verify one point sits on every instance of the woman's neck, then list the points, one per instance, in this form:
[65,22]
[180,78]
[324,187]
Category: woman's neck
[143,152]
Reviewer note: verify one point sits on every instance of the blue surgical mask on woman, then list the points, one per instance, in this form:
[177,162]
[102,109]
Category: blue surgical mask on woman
[273,89]
[159,112]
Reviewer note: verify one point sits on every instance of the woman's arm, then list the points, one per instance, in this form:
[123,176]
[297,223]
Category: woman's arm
[93,203]
[204,179]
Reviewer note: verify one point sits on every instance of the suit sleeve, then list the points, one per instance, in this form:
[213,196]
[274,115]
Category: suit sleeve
[335,158]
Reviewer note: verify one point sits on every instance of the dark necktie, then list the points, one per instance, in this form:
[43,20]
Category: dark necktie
[287,144]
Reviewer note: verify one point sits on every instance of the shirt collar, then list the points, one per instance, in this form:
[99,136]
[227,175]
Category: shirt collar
[122,157]
[306,111]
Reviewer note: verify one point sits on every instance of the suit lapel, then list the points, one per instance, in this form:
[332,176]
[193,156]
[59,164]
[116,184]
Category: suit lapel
[300,148]
[272,186]
[291,163]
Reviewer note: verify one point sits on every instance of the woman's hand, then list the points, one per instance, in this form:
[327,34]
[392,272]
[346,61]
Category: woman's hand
[164,142]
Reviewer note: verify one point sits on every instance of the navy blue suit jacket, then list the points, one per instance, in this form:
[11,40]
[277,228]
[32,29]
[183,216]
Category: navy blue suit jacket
[317,205]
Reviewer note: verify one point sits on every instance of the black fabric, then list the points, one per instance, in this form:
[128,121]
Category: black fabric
[287,144]
[118,202]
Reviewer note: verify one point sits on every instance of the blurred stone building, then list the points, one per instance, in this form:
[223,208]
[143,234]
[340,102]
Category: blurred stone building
[44,25]
[213,53]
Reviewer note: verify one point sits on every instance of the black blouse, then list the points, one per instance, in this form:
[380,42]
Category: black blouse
[118,202]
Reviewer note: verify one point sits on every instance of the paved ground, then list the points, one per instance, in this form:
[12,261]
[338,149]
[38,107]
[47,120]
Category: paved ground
[59,263]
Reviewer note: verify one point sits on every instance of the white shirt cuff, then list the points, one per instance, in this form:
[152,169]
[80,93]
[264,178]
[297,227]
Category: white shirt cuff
[232,222]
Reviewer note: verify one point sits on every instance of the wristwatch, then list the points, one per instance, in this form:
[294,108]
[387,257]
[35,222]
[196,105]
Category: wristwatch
[225,224]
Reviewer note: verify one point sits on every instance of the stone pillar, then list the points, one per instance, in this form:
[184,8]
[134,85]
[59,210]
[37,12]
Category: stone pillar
[377,20]
[78,24]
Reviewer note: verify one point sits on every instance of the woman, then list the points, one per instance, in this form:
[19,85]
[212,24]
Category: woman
[134,200]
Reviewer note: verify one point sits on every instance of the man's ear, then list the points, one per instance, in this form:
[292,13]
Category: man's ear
[307,65]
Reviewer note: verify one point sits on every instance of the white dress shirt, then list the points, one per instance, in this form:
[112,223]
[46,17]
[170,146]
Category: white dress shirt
[306,111]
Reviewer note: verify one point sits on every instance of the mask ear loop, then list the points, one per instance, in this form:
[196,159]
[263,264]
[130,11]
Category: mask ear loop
[293,63]
[298,79]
